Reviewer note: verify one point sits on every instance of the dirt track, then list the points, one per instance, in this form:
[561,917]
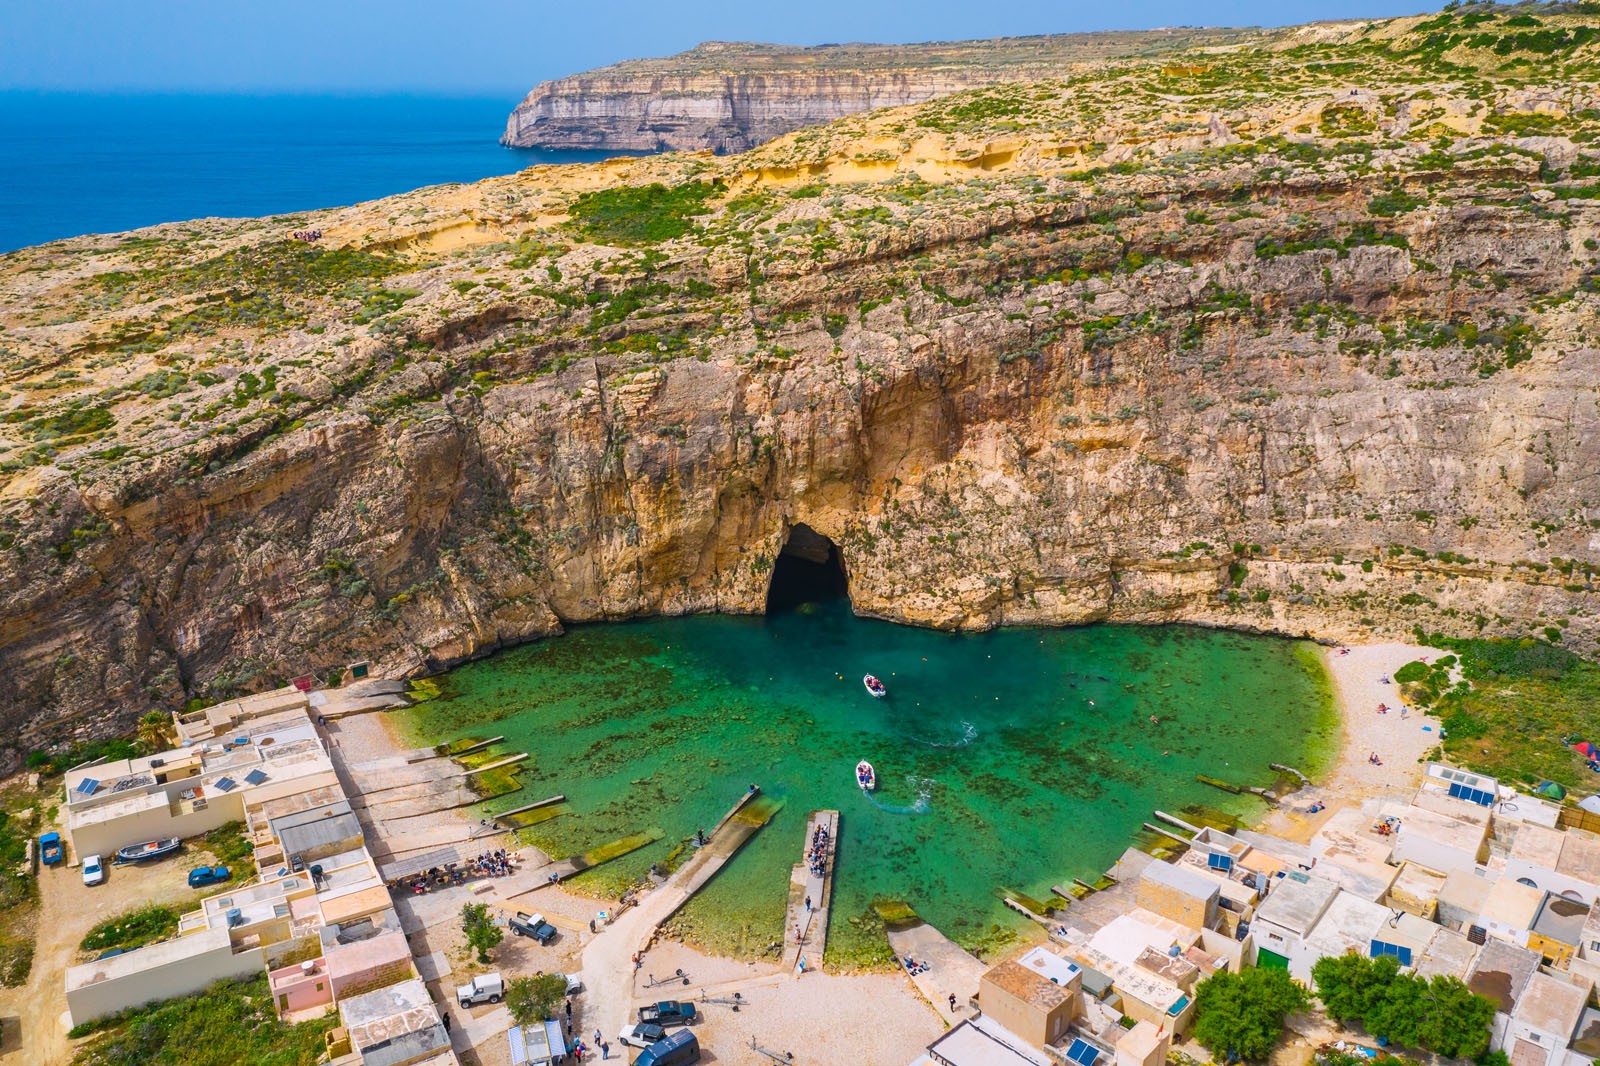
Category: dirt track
[35,1030]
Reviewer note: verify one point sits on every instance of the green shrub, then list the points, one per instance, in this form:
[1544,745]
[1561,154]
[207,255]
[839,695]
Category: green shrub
[641,214]
[1394,202]
[229,844]
[132,928]
[1240,1015]
[232,1022]
[535,999]
[1411,673]
[1440,1015]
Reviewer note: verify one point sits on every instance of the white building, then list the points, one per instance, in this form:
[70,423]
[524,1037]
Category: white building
[1350,923]
[190,791]
[1509,909]
[1567,864]
[1286,917]
[1446,835]
[1544,1022]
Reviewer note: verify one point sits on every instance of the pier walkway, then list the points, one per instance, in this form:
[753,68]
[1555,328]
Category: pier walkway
[805,933]
[608,961]
[950,970]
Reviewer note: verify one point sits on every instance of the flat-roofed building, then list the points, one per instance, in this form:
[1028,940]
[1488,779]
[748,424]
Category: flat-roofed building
[1148,960]
[181,966]
[363,965]
[1501,972]
[1143,1045]
[1462,898]
[1461,787]
[1509,910]
[1545,1021]
[1028,1003]
[1349,923]
[1455,838]
[308,836]
[1286,917]
[190,791]
[1448,954]
[1566,863]
[982,1041]
[1557,929]
[225,719]
[1178,893]
[1416,890]
[395,1025]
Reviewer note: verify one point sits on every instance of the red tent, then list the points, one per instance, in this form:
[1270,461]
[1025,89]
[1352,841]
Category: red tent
[1586,749]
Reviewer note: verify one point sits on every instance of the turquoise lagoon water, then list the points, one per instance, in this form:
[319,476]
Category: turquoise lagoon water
[1010,760]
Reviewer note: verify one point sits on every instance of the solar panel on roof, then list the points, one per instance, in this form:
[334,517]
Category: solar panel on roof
[225,783]
[1219,862]
[254,777]
[87,786]
[1083,1053]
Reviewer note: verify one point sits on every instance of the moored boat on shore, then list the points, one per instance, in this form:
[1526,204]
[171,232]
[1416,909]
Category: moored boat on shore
[150,849]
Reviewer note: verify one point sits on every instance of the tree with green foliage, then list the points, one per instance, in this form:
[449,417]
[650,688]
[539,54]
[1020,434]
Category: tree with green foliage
[479,928]
[535,999]
[1442,1015]
[1240,1015]
[155,732]
[1348,984]
[1457,1021]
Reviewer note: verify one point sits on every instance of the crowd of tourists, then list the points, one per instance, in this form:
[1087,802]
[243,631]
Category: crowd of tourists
[817,854]
[486,864]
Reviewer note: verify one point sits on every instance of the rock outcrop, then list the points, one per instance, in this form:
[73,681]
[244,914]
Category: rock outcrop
[1051,353]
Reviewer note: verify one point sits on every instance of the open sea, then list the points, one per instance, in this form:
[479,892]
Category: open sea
[93,163]
[1008,761]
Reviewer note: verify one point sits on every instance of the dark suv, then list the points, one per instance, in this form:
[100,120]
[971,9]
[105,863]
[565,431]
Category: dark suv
[533,925]
[668,1013]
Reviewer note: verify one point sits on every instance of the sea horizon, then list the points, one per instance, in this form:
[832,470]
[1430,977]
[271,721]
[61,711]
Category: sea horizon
[75,163]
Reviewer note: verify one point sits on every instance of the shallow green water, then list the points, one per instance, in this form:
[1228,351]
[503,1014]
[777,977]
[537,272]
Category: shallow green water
[1019,758]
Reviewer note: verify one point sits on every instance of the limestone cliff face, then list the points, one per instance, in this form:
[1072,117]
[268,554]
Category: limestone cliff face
[727,97]
[1207,367]
[716,112]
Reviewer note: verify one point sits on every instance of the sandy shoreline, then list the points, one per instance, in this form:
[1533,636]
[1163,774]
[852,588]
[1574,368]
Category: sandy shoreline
[901,1021]
[1401,738]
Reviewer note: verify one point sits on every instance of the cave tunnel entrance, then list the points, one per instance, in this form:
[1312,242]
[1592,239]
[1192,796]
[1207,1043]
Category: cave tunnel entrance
[808,570]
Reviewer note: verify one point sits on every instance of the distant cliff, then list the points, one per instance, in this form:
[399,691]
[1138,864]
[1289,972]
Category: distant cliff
[722,112]
[731,97]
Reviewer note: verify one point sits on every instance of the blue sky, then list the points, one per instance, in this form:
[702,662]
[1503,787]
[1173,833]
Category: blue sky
[505,46]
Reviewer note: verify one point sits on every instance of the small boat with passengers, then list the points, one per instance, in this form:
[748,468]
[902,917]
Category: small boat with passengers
[866,776]
[877,689]
[150,849]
